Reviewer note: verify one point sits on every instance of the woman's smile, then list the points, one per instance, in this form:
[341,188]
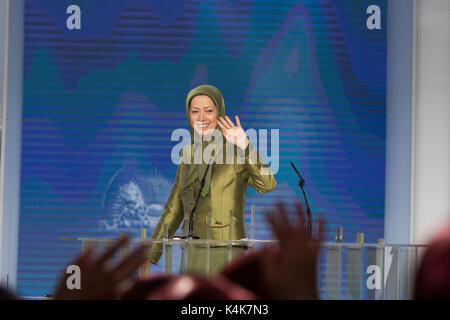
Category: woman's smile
[202,124]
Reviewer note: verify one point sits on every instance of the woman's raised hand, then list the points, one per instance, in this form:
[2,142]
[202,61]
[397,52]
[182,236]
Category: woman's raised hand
[234,134]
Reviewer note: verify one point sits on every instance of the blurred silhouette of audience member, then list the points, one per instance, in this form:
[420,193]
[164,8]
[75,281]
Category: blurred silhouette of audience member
[187,287]
[433,276]
[101,279]
[287,272]
[6,294]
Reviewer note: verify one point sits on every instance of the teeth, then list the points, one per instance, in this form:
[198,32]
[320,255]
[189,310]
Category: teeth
[199,124]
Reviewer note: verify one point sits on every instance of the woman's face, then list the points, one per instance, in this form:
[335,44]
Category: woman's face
[203,114]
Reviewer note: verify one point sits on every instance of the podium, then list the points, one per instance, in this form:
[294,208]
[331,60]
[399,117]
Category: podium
[347,271]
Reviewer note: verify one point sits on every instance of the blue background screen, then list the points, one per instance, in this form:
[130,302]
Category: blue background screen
[101,102]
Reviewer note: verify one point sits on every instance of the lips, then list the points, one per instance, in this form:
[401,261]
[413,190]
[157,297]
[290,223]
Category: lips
[202,125]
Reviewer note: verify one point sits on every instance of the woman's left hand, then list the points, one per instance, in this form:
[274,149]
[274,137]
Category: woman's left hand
[234,134]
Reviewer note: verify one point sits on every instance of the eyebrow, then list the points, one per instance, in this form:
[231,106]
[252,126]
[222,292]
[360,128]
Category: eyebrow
[197,108]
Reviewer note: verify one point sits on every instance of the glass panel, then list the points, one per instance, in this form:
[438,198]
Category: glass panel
[345,271]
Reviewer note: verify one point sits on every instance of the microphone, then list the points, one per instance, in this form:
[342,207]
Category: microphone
[308,210]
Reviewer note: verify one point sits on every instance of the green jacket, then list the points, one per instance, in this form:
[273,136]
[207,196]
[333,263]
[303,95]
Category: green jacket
[228,188]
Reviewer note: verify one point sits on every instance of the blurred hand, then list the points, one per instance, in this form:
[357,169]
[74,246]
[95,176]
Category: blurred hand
[100,280]
[234,134]
[290,271]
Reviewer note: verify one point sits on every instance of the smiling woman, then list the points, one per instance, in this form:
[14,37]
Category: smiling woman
[205,110]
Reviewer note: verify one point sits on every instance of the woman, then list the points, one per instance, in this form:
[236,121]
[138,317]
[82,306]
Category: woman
[225,183]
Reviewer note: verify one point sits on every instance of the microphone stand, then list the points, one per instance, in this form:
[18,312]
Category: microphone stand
[190,235]
[308,210]
[191,215]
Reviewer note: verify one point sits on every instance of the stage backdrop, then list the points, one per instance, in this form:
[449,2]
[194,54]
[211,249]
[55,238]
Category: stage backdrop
[105,84]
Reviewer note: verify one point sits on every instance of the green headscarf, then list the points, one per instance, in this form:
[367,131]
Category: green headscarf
[196,171]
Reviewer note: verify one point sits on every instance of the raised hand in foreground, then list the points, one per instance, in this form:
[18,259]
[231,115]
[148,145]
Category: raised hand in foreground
[290,272]
[99,279]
